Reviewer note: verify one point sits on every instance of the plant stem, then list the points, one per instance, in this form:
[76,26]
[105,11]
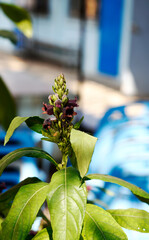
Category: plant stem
[64,160]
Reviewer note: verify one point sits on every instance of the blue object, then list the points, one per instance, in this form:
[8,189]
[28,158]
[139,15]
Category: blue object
[18,170]
[110,25]
[122,150]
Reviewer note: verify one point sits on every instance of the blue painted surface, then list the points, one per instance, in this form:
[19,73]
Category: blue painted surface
[122,150]
[22,137]
[110,24]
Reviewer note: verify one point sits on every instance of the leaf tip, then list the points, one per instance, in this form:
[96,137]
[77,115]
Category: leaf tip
[5,141]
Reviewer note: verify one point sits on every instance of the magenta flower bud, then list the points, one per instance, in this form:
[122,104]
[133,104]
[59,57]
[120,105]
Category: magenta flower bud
[50,97]
[58,103]
[47,124]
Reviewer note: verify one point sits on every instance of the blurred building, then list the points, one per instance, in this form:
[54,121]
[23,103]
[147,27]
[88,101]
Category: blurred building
[108,38]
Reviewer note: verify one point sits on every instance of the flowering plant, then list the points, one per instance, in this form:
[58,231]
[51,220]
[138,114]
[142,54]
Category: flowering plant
[71,217]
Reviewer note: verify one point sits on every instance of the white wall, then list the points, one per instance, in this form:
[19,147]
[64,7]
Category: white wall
[126,77]
[57,28]
[91,49]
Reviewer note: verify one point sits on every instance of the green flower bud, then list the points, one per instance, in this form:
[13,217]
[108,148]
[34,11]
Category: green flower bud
[56,86]
[60,93]
[64,99]
[51,102]
[53,88]
[59,124]
[54,98]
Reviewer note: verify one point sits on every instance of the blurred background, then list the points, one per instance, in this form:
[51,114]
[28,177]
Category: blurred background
[102,47]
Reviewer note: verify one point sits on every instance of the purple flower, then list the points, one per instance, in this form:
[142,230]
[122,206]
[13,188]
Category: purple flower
[47,109]
[68,110]
[48,123]
[72,103]
[58,103]
[68,113]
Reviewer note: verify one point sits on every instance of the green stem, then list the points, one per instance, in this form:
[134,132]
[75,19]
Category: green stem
[64,160]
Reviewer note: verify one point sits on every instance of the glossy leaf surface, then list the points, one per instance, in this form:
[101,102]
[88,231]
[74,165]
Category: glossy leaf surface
[28,152]
[133,219]
[44,234]
[83,146]
[140,193]
[35,123]
[8,35]
[23,212]
[100,225]
[15,123]
[7,197]
[7,105]
[66,202]
[19,16]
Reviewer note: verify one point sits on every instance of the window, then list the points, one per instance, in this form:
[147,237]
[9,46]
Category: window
[36,6]
[41,6]
[84,8]
[74,8]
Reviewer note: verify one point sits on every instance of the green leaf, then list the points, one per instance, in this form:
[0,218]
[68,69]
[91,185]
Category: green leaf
[138,192]
[35,123]
[100,225]
[78,124]
[81,237]
[16,122]
[9,35]
[66,202]
[7,197]
[133,219]
[7,105]
[19,16]
[44,234]
[23,212]
[1,220]
[83,146]
[28,152]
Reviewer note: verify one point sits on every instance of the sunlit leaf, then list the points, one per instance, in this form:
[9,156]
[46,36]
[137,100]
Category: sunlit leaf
[83,146]
[16,122]
[28,152]
[34,123]
[19,16]
[7,105]
[7,197]
[100,225]
[138,192]
[45,234]
[23,212]
[66,202]
[9,35]
[133,219]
